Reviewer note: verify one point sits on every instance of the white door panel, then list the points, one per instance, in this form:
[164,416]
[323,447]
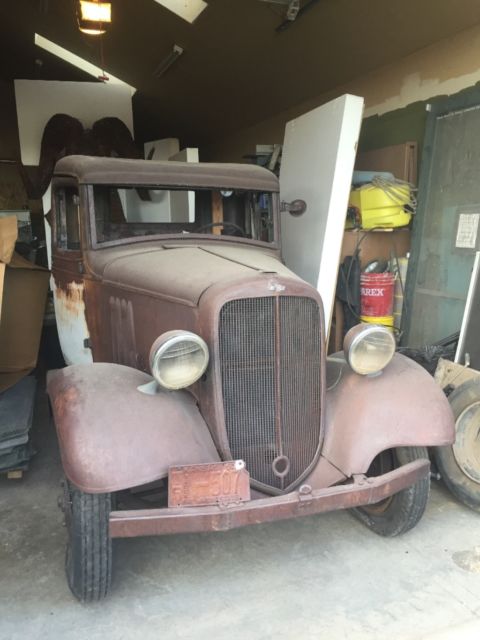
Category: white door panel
[317,165]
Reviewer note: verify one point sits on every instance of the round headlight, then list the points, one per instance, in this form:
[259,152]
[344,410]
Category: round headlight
[178,359]
[369,348]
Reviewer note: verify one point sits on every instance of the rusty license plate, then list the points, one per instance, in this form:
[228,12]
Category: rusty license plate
[206,484]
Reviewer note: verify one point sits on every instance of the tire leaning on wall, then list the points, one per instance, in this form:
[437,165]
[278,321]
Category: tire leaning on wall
[459,464]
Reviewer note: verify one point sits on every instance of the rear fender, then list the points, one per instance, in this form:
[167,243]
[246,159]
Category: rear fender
[403,406]
[112,436]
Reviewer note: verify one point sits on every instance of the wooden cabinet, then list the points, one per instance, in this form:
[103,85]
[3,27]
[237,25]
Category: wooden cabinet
[373,244]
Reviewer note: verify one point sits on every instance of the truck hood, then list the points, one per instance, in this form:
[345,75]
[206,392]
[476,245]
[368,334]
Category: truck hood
[181,272]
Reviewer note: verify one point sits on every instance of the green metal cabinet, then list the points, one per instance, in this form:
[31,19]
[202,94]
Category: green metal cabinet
[446,230]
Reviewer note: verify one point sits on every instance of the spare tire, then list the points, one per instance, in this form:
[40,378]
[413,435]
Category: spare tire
[459,464]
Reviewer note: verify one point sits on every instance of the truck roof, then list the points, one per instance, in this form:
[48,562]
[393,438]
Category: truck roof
[123,172]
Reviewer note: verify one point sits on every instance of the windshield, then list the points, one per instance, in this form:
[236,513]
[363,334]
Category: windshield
[122,213]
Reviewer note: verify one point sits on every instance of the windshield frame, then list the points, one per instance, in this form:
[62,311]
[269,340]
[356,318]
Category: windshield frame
[95,245]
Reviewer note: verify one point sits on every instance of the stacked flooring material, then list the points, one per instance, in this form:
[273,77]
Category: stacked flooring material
[16,413]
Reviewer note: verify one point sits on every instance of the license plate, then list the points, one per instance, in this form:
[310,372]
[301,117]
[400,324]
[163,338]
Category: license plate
[199,485]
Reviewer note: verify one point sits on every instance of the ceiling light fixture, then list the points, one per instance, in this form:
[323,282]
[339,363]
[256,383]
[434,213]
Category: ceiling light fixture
[94,16]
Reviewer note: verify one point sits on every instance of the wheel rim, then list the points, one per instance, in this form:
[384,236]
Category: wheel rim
[383,463]
[466,449]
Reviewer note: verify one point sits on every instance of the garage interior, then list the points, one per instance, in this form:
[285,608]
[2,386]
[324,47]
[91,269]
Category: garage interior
[356,126]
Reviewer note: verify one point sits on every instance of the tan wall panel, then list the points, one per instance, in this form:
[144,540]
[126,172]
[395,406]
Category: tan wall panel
[443,68]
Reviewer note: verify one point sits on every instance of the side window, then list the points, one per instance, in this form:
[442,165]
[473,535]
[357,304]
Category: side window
[67,218]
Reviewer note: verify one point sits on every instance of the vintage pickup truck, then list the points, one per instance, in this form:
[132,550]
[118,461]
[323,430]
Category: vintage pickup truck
[198,368]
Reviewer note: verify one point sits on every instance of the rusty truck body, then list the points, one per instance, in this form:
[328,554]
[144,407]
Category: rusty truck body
[197,365]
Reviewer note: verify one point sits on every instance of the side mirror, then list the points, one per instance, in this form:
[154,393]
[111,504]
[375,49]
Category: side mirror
[294,208]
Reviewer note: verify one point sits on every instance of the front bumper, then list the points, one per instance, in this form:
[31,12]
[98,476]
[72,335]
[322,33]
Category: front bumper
[360,492]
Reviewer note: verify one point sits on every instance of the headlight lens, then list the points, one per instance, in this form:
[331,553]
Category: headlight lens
[369,348]
[178,359]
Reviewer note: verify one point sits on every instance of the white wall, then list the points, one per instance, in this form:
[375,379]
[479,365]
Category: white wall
[162,149]
[38,100]
[164,206]
[183,200]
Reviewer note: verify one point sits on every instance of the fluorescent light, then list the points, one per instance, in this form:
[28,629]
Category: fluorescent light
[78,62]
[189,10]
[167,62]
[96,11]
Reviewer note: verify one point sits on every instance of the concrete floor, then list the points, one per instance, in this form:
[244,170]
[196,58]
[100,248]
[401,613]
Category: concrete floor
[322,577]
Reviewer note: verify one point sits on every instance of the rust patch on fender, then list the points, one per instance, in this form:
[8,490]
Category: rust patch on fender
[71,296]
[64,399]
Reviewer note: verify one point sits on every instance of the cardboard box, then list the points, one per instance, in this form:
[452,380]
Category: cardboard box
[23,293]
[8,236]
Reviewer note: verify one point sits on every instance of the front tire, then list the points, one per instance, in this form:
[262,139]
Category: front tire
[402,511]
[88,561]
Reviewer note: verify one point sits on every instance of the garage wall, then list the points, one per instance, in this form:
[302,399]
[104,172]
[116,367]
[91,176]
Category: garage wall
[443,68]
[12,192]
[9,146]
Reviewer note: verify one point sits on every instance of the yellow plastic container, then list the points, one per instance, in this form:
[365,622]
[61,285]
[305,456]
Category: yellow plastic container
[386,321]
[381,208]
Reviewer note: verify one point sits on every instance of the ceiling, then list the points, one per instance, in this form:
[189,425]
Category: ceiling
[236,69]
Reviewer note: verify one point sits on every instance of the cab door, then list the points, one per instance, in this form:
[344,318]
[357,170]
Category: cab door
[67,281]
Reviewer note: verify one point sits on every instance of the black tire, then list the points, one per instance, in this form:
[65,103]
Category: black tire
[88,561]
[402,511]
[459,464]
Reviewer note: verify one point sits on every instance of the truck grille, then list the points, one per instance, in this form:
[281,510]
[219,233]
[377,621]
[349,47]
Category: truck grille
[270,357]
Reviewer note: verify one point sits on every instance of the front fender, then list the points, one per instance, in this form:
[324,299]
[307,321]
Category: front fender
[403,406]
[113,436]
